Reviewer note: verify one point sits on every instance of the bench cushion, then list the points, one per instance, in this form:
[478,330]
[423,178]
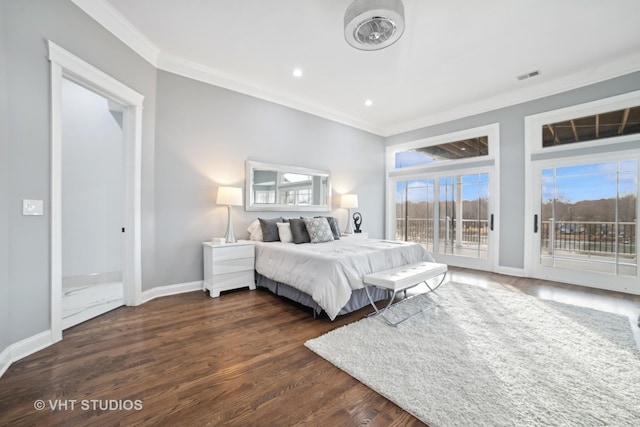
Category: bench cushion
[406,276]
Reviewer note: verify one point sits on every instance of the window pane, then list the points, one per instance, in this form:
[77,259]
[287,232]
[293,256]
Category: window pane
[474,147]
[414,212]
[589,218]
[590,128]
[464,215]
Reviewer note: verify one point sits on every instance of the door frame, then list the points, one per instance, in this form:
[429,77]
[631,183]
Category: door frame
[486,164]
[589,151]
[66,65]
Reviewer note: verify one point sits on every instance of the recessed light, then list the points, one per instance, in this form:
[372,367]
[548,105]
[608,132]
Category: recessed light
[368,103]
[297,72]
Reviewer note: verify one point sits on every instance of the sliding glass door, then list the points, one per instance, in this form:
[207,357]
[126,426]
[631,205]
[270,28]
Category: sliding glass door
[449,214]
[586,223]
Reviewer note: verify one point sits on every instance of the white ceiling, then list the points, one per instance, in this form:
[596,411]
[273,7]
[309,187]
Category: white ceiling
[455,58]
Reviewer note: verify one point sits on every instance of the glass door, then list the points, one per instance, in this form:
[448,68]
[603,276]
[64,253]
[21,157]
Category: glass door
[586,222]
[450,215]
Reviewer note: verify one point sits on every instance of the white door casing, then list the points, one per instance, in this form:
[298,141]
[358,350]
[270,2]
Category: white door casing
[66,65]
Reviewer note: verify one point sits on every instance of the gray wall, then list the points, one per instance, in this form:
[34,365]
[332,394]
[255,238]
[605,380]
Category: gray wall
[5,339]
[511,119]
[27,25]
[205,133]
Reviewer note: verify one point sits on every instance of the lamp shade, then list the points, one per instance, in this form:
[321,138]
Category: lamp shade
[229,196]
[349,201]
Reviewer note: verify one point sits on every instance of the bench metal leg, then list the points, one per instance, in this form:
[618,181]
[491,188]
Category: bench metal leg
[391,302]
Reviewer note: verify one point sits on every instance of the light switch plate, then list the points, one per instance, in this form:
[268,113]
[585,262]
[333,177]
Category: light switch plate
[32,207]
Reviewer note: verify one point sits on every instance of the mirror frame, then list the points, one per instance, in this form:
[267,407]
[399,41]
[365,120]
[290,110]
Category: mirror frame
[252,165]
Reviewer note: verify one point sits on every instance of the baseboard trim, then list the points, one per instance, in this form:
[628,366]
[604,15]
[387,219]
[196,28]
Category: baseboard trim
[24,348]
[511,271]
[5,360]
[163,291]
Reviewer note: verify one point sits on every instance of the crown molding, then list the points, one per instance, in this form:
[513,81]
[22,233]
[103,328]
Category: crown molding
[199,72]
[616,68]
[107,16]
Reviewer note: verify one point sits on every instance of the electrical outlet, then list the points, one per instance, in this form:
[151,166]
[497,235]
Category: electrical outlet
[32,207]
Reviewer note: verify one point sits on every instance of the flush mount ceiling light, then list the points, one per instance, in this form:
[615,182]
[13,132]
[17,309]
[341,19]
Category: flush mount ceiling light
[373,24]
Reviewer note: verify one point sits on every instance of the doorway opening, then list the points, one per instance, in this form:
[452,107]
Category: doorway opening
[66,66]
[92,204]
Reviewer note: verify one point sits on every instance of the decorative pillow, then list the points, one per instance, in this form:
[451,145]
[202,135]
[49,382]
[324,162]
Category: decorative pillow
[318,229]
[255,231]
[299,231]
[333,223]
[270,229]
[284,231]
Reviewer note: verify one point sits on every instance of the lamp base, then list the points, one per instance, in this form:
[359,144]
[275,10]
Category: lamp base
[229,237]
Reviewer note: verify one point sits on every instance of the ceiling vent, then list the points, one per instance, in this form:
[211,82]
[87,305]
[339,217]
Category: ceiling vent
[373,24]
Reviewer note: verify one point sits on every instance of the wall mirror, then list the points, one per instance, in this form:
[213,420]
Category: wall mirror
[275,187]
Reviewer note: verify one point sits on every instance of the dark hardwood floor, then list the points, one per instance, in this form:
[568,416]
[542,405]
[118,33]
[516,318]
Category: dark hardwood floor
[235,360]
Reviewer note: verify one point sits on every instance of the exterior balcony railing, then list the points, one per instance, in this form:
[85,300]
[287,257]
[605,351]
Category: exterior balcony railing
[589,237]
[474,232]
[582,237]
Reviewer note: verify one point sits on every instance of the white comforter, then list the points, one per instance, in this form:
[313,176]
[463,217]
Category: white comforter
[330,271]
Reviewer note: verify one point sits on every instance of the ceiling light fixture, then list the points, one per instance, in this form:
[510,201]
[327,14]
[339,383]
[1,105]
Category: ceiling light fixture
[297,72]
[373,24]
[368,103]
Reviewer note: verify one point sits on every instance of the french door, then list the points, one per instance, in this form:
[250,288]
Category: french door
[584,221]
[450,214]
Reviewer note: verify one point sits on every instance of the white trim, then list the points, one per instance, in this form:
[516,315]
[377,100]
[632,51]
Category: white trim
[106,15]
[64,64]
[24,348]
[56,208]
[164,291]
[5,360]
[510,271]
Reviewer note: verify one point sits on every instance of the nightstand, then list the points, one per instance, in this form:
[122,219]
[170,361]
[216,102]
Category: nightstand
[228,266]
[363,235]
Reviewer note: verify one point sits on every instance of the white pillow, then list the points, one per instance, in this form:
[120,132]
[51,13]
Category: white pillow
[255,231]
[284,231]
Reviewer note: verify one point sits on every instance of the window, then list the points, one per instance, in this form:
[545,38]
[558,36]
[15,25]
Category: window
[625,121]
[472,147]
[581,173]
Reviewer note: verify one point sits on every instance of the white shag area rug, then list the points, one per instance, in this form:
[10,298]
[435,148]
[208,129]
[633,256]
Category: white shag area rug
[496,358]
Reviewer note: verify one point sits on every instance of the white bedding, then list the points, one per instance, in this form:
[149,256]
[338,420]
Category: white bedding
[328,272]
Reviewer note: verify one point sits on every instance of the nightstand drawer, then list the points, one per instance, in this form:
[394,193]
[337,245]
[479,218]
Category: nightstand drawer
[234,280]
[223,252]
[224,266]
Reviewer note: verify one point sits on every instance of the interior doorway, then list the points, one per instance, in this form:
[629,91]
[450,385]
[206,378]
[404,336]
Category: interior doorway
[66,66]
[92,204]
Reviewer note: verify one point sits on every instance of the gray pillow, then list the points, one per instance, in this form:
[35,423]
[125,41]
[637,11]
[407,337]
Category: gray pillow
[318,229]
[333,223]
[270,229]
[299,231]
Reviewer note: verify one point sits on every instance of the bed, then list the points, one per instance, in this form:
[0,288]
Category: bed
[328,276]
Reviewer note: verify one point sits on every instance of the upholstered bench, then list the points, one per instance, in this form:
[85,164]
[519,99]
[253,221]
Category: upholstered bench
[400,279]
